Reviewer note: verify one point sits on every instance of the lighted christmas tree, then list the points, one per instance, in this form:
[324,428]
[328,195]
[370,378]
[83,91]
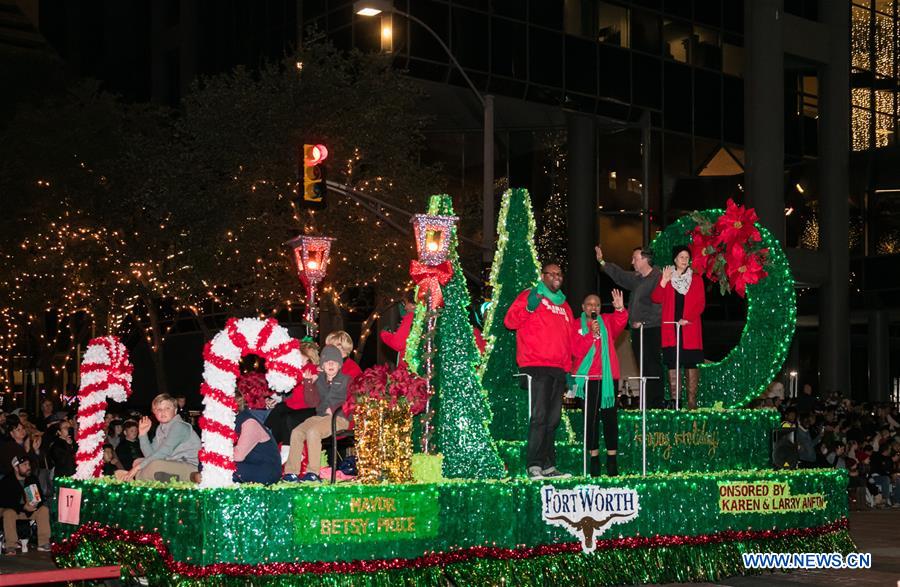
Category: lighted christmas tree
[463,415]
[515,268]
[552,242]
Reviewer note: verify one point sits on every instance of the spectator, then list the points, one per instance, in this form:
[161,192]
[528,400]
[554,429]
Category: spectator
[836,456]
[47,415]
[61,448]
[173,453]
[806,443]
[181,405]
[776,389]
[129,448]
[111,462]
[881,471]
[397,339]
[114,433]
[19,445]
[4,428]
[806,402]
[20,499]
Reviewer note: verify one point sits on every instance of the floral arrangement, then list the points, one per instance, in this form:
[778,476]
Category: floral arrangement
[729,250]
[395,386]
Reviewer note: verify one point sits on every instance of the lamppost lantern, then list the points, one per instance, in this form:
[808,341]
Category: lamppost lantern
[432,234]
[311,257]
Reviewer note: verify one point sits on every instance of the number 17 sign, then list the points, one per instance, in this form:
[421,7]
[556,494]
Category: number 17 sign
[69,505]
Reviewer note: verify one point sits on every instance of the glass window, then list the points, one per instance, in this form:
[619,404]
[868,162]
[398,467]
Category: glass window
[546,13]
[705,48]
[511,8]
[581,65]
[861,120]
[808,96]
[546,52]
[885,6]
[677,97]
[707,104]
[646,73]
[612,24]
[676,40]
[421,43]
[469,41]
[615,73]
[680,8]
[884,45]
[581,18]
[509,48]
[733,15]
[733,59]
[709,12]
[645,31]
[733,112]
[860,46]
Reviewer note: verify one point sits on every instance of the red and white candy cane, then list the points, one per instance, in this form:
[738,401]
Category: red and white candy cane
[221,367]
[105,374]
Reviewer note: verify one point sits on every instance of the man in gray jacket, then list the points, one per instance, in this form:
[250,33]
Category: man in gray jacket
[642,310]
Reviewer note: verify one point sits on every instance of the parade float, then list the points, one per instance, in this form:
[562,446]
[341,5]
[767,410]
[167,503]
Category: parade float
[698,488]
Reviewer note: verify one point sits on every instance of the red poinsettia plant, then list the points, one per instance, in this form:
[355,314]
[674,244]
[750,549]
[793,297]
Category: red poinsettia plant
[729,249]
[254,389]
[394,386]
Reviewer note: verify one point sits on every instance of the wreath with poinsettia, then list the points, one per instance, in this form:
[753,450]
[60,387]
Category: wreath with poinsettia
[731,248]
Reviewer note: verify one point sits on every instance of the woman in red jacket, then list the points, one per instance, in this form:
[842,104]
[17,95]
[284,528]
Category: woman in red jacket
[683,299]
[594,350]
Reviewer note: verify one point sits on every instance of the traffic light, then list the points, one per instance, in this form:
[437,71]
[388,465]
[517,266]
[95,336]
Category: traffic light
[314,187]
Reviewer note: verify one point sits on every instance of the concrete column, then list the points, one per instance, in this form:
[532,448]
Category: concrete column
[581,277]
[834,210]
[879,356]
[764,111]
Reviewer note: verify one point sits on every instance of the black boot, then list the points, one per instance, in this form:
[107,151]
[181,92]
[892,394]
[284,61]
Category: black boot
[612,468]
[595,466]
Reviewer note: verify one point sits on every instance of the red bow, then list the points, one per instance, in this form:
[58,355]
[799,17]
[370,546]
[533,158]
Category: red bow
[430,279]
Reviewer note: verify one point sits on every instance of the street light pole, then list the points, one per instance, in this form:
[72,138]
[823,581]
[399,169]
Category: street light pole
[374,7]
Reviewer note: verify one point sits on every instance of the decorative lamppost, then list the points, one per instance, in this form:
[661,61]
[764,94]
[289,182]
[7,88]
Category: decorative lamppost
[430,272]
[311,256]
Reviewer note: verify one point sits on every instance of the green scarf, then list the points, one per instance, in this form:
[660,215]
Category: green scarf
[557,297]
[607,393]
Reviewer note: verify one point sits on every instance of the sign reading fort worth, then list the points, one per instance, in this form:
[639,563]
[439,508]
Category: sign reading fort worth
[765,497]
[370,515]
[587,511]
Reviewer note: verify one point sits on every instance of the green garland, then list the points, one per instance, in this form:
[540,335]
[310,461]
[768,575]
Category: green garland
[629,566]
[766,339]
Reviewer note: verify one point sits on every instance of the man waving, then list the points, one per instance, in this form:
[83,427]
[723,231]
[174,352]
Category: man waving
[544,327]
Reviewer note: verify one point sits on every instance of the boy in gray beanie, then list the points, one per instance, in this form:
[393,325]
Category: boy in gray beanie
[332,386]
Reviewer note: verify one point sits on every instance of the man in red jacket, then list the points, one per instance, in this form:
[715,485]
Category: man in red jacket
[544,328]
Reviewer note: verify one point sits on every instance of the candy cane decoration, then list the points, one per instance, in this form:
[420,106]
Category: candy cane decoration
[105,373]
[248,336]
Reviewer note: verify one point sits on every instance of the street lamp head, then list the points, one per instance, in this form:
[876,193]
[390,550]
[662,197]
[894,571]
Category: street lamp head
[432,235]
[311,256]
[372,7]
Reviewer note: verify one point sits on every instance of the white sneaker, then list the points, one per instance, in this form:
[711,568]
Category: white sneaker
[554,473]
[535,473]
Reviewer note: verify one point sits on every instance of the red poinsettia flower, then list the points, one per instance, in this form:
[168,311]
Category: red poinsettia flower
[743,269]
[737,225]
[254,389]
[702,249]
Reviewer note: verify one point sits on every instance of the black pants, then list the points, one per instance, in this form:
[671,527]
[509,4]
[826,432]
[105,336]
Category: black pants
[282,420]
[652,364]
[548,384]
[609,417]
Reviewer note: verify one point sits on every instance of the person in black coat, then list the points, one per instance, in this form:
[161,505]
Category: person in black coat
[129,448]
[20,499]
[62,449]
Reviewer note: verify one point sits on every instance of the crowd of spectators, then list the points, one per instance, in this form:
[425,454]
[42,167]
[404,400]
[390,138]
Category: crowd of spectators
[834,432]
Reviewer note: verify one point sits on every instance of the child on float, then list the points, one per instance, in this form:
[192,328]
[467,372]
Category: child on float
[300,404]
[332,387]
[342,340]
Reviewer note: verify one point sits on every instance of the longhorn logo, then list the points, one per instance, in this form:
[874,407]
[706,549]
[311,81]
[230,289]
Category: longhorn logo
[587,511]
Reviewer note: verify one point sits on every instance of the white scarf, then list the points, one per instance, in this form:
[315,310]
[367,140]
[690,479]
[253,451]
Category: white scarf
[682,282]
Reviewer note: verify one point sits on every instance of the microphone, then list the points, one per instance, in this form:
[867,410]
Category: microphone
[594,317]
